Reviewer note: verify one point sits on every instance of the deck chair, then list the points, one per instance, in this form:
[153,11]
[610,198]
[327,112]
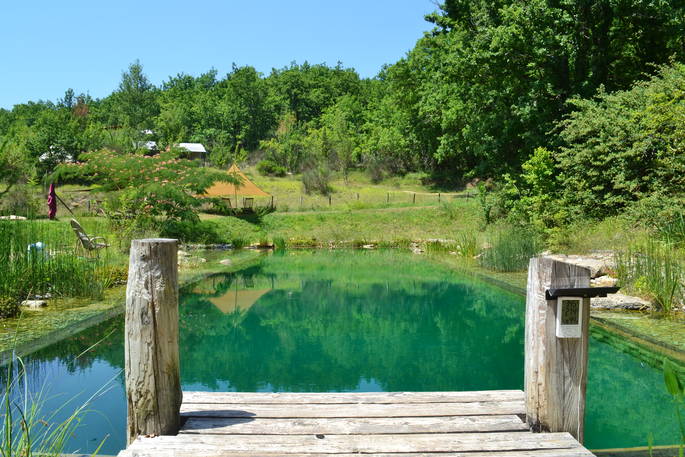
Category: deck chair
[89,243]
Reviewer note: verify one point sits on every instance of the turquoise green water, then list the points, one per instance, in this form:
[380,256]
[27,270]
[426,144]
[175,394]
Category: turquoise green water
[350,321]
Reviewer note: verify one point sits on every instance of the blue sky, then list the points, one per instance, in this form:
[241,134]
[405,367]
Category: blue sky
[48,46]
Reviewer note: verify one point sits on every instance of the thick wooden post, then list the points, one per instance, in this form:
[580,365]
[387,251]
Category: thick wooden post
[555,368]
[153,384]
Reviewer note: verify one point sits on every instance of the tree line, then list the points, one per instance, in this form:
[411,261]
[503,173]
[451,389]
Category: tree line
[488,86]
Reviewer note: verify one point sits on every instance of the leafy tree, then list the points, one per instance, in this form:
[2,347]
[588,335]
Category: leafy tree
[624,146]
[286,148]
[135,99]
[15,166]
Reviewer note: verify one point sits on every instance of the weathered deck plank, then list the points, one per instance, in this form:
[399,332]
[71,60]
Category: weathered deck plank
[351,397]
[352,426]
[400,424]
[356,410]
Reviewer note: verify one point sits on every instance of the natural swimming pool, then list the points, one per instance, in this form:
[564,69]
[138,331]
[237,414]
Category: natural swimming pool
[348,321]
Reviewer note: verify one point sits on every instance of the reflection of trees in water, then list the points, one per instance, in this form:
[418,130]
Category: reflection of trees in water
[104,341]
[327,335]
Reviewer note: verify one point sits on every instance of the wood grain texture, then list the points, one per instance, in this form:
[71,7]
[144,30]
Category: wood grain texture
[347,410]
[367,444]
[555,368]
[578,452]
[353,426]
[153,387]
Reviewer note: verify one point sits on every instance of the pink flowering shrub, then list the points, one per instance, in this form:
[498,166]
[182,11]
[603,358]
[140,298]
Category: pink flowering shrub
[147,187]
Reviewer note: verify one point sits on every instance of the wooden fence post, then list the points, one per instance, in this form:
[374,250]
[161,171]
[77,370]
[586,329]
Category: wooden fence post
[555,368]
[272,202]
[438,197]
[153,384]
[413,200]
[329,201]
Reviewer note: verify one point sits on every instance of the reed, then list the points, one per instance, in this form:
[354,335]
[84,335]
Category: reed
[652,269]
[510,250]
[38,258]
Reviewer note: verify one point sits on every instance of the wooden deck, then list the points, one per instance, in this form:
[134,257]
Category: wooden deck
[445,424]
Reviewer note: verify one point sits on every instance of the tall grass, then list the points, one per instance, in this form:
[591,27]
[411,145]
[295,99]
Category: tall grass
[652,269]
[510,250]
[55,268]
[28,427]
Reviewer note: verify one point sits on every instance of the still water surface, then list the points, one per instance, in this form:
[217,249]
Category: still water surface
[348,321]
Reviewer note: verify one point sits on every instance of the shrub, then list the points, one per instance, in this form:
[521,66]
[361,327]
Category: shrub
[270,168]
[205,232]
[510,250]
[9,306]
[316,179]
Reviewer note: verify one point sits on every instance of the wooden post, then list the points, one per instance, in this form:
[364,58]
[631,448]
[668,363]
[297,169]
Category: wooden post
[357,196]
[153,382]
[329,200]
[438,197]
[413,200]
[555,368]
[272,202]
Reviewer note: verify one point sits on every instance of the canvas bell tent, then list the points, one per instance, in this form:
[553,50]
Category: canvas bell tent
[236,194]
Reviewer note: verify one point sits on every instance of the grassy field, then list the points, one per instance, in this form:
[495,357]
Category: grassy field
[358,193]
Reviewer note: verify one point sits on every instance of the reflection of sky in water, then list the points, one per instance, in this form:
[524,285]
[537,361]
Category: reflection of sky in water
[338,322]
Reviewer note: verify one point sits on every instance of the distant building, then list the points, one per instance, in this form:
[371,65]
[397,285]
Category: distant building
[196,150]
[149,145]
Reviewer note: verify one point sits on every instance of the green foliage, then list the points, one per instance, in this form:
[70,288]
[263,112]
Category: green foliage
[467,244]
[317,179]
[9,306]
[286,148]
[161,186]
[624,146]
[270,168]
[204,232]
[654,270]
[663,215]
[511,249]
[53,268]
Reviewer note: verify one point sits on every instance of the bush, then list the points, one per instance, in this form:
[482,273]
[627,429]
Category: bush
[9,307]
[511,250]
[317,180]
[204,232]
[22,201]
[270,168]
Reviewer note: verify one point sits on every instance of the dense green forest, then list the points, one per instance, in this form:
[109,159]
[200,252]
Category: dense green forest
[574,108]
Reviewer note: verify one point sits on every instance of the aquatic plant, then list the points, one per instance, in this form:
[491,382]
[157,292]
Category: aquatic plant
[28,428]
[653,269]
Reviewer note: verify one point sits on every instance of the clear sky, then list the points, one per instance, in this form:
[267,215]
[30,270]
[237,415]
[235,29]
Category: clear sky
[47,46]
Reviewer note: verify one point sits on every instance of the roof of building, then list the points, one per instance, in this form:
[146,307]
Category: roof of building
[192,147]
[245,188]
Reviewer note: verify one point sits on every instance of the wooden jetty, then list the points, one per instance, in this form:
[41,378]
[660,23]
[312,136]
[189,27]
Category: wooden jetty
[545,421]
[445,424]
